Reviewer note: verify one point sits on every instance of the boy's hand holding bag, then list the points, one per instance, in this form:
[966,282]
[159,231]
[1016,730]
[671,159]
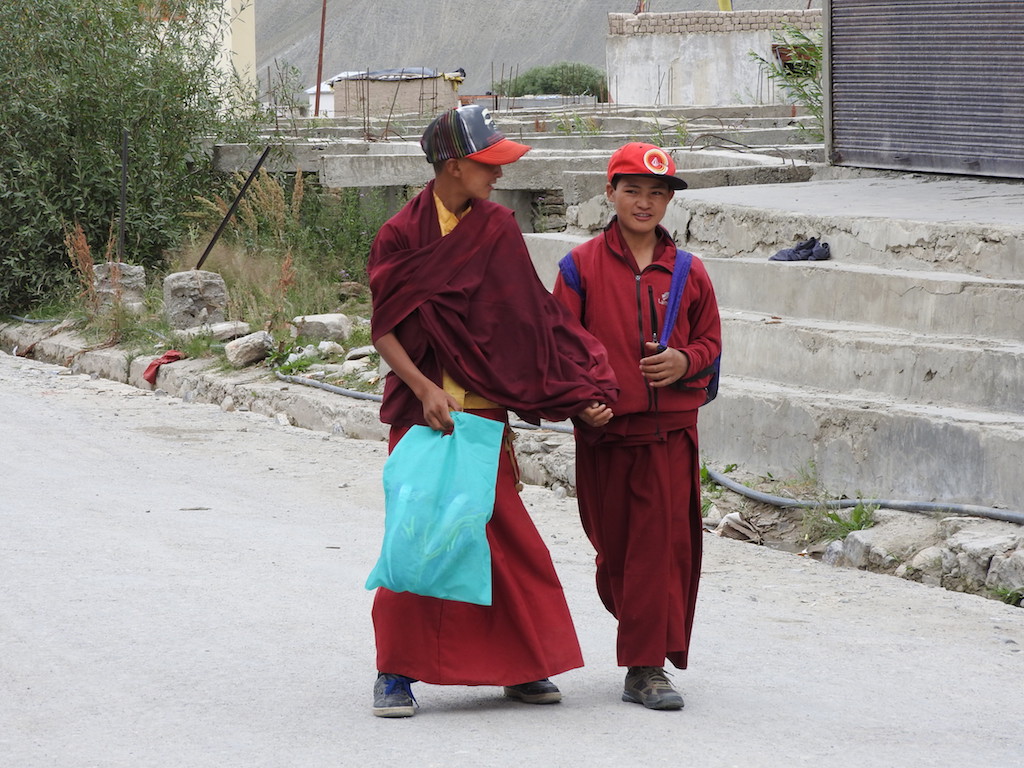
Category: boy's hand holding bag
[439,496]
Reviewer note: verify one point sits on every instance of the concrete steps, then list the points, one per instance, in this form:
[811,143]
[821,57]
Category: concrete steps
[886,222]
[929,369]
[943,303]
[896,368]
[869,445]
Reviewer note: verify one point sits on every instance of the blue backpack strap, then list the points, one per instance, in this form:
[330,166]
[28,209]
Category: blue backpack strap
[680,272]
[570,274]
[675,296]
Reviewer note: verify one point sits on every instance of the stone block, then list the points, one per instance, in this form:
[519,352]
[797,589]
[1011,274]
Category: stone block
[1006,571]
[116,282]
[329,327]
[225,331]
[194,298]
[925,567]
[249,349]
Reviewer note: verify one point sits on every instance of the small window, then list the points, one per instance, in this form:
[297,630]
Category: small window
[798,59]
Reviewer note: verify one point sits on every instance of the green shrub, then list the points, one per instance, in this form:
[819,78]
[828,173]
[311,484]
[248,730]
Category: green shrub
[823,524]
[77,73]
[565,78]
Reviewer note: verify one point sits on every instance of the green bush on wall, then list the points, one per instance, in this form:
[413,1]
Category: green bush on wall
[565,78]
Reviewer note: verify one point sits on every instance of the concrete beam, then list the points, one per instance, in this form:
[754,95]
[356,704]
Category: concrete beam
[337,171]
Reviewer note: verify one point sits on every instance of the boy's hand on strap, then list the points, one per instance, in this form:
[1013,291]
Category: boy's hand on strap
[437,408]
[663,368]
[596,415]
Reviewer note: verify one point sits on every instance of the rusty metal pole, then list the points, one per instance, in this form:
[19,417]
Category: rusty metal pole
[234,205]
[320,60]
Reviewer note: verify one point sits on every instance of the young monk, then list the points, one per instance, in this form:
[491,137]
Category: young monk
[464,322]
[638,476]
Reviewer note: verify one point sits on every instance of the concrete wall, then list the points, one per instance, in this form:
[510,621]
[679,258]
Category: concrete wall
[696,58]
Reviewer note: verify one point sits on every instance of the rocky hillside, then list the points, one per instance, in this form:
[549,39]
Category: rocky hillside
[480,36]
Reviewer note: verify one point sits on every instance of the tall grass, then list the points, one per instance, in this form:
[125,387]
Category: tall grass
[293,248]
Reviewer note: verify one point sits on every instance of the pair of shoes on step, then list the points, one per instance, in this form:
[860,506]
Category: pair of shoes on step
[650,686]
[392,694]
[807,250]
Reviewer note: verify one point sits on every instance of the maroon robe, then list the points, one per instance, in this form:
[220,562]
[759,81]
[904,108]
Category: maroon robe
[470,303]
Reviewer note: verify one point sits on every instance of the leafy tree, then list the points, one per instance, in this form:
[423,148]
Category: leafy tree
[565,78]
[76,73]
[796,66]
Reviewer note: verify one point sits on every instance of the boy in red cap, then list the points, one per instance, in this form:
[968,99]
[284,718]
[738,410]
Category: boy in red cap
[638,476]
[464,322]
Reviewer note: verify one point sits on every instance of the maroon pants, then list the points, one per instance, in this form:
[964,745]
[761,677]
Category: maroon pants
[525,634]
[640,507]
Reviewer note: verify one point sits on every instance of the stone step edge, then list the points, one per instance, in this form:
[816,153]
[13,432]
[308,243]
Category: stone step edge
[837,265]
[572,239]
[876,240]
[872,333]
[999,421]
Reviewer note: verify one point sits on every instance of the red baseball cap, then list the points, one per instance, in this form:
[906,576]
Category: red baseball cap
[637,159]
[469,131]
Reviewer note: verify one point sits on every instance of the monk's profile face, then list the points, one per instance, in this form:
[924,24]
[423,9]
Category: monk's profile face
[477,179]
[640,202]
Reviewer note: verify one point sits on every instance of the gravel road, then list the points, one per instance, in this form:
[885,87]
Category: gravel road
[182,586]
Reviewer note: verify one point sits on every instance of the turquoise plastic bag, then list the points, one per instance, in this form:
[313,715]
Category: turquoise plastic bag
[438,498]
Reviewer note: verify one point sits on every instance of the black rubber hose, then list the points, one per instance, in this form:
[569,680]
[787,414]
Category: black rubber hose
[992,513]
[927,507]
[30,320]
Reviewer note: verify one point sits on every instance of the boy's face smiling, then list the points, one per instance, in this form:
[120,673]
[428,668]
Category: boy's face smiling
[640,203]
[477,179]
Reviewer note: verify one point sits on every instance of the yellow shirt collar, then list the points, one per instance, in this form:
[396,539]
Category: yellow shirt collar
[446,218]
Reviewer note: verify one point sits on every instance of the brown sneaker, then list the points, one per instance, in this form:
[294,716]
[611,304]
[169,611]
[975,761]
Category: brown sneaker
[537,692]
[650,686]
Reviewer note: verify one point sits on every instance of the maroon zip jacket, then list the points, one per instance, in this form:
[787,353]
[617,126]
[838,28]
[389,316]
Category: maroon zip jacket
[615,308]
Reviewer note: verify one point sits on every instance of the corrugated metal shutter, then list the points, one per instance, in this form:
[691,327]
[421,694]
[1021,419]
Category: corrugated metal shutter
[926,85]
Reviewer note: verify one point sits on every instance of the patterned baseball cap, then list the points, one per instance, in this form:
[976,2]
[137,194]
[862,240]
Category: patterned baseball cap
[469,131]
[637,159]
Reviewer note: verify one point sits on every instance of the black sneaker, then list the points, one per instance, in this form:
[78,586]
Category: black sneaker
[821,252]
[650,686]
[800,252]
[537,692]
[392,696]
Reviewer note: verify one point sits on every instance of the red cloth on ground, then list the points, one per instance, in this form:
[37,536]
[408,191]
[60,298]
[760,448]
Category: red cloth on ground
[471,303]
[170,356]
[525,634]
[640,507]
[638,479]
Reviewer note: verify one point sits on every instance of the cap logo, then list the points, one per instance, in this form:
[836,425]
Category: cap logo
[656,161]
